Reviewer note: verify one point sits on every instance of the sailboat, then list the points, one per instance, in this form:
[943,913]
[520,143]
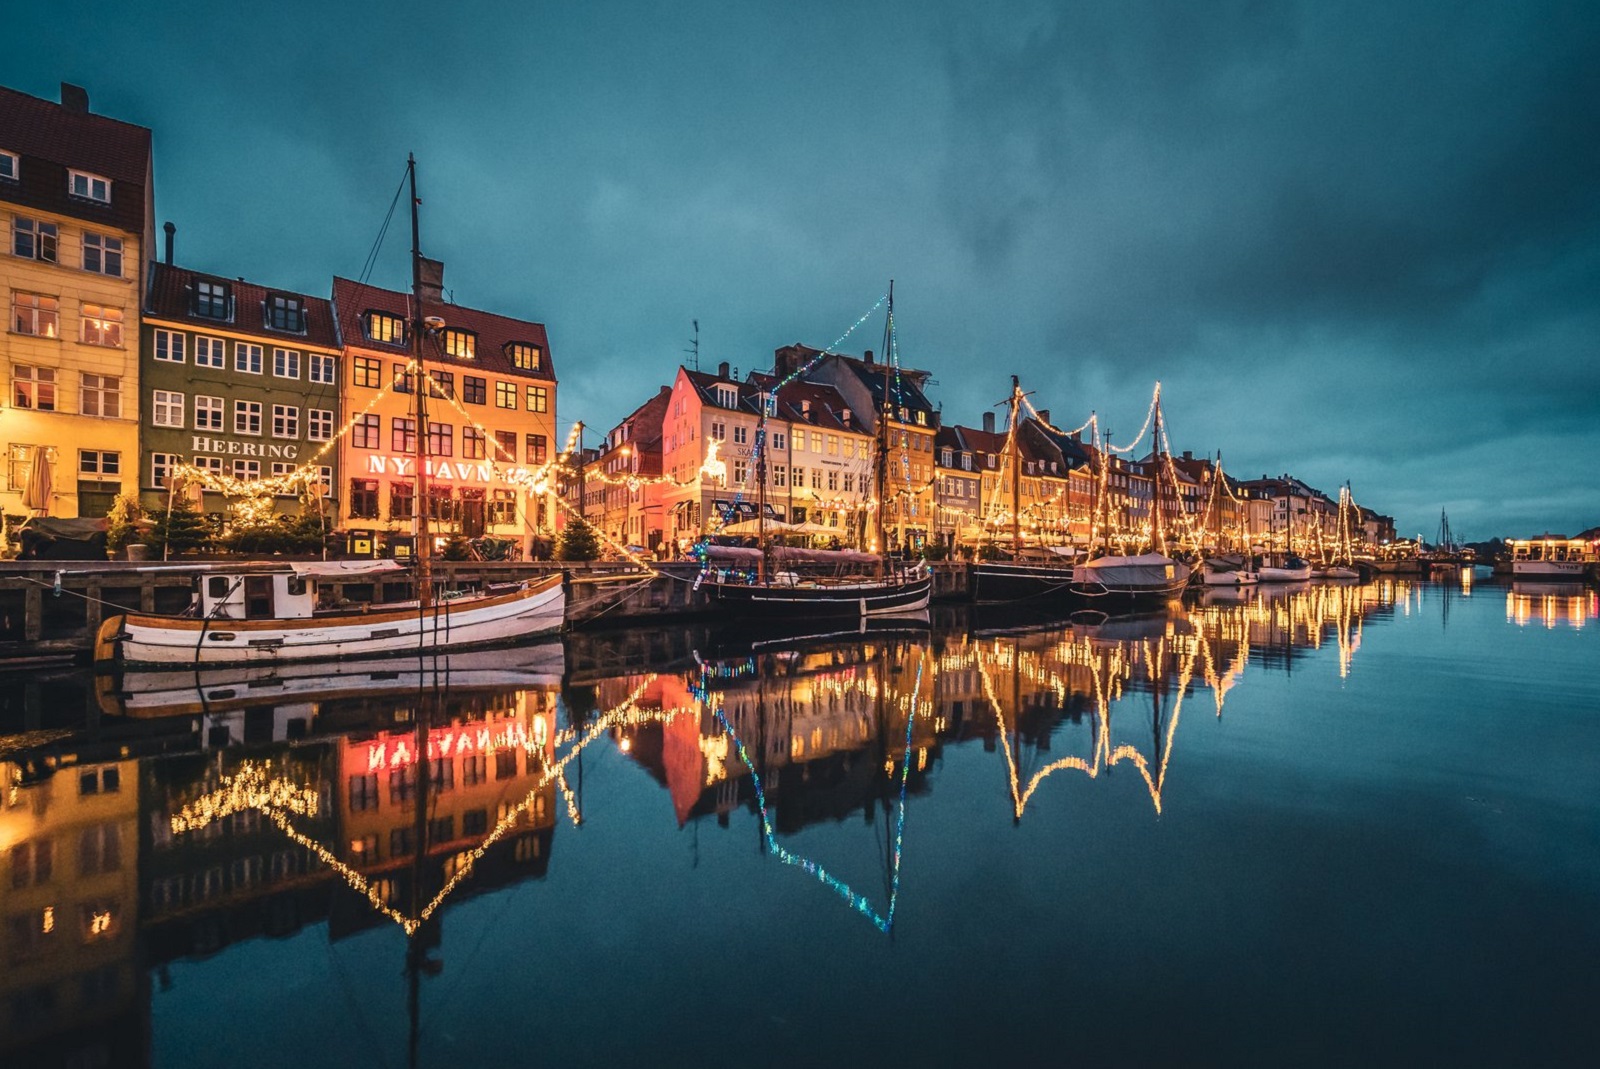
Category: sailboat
[1287,567]
[1341,566]
[1228,570]
[794,584]
[1146,578]
[248,614]
[1044,580]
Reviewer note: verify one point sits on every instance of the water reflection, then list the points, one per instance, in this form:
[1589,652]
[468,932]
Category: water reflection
[189,812]
[1551,604]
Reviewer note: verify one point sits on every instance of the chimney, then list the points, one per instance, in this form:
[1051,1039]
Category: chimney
[868,356]
[75,98]
[171,230]
[722,370]
[988,423]
[432,275]
[1188,454]
[1043,414]
[844,417]
[805,409]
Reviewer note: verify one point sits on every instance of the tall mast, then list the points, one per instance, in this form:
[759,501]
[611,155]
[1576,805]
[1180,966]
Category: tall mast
[883,428]
[419,389]
[1016,469]
[760,467]
[1158,536]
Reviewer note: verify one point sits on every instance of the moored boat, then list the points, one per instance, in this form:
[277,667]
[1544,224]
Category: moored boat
[1228,571]
[1552,558]
[1289,569]
[1146,578]
[813,583]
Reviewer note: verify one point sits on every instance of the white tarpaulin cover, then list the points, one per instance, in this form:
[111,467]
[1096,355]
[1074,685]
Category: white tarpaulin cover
[341,569]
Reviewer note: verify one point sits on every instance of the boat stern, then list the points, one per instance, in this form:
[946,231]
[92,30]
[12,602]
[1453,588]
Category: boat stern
[108,642]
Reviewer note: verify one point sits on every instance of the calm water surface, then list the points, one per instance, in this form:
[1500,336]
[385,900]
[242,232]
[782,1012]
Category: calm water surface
[1322,825]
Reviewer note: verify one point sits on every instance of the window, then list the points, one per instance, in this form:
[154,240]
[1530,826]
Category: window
[502,506]
[319,424]
[403,435]
[169,346]
[10,166]
[740,435]
[364,431]
[101,395]
[441,384]
[536,448]
[363,499]
[474,443]
[286,313]
[207,413]
[833,479]
[833,445]
[89,186]
[166,409]
[33,387]
[161,465]
[505,446]
[462,344]
[102,326]
[368,371]
[33,239]
[523,356]
[32,863]
[505,395]
[538,399]
[849,482]
[36,314]
[777,440]
[402,379]
[211,464]
[211,299]
[208,352]
[247,470]
[247,417]
[285,421]
[739,468]
[402,500]
[99,462]
[799,440]
[947,456]
[102,254]
[247,358]
[286,363]
[323,369]
[385,328]
[780,475]
[441,439]
[474,390]
[99,850]
[441,502]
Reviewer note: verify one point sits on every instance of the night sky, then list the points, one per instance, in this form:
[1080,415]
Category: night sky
[1354,241]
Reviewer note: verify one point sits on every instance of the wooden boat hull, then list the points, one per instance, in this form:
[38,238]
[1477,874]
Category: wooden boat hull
[1223,575]
[1336,571]
[1286,575]
[138,641]
[852,599]
[995,582]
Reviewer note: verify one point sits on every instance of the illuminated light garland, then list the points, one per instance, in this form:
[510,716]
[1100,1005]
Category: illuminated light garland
[251,787]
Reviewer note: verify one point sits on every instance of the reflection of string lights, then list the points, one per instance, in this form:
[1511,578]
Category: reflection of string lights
[251,787]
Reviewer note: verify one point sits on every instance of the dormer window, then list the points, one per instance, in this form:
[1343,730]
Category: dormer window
[524,356]
[966,461]
[728,397]
[286,313]
[991,460]
[922,418]
[89,186]
[211,299]
[461,344]
[947,456]
[385,328]
[10,166]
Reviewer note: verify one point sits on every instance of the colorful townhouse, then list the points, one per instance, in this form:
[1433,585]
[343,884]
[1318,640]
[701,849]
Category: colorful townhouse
[242,381]
[490,410]
[76,202]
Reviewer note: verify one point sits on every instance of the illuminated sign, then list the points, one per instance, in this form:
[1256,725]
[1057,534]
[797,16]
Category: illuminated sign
[399,750]
[461,470]
[205,444]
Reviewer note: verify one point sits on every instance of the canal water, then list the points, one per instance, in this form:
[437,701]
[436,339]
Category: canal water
[1318,825]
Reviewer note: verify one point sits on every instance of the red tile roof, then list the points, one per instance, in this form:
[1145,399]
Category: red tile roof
[352,300]
[50,139]
[171,297]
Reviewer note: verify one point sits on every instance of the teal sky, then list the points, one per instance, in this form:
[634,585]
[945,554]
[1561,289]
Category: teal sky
[1355,241]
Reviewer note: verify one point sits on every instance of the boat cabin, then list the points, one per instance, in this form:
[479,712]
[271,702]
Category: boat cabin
[288,593]
[1551,548]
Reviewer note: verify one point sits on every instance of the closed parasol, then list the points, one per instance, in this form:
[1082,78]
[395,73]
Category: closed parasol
[36,494]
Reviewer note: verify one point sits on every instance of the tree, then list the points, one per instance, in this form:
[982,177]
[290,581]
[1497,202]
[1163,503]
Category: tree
[577,541]
[179,529]
[122,522]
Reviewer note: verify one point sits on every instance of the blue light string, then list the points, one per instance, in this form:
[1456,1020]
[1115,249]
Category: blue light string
[857,902]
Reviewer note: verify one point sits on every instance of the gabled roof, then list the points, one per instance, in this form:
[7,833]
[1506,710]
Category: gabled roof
[170,297]
[51,139]
[815,404]
[352,300]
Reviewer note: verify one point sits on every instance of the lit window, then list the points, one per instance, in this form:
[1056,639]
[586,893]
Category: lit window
[102,326]
[474,443]
[247,358]
[403,435]
[166,409]
[386,328]
[319,424]
[102,254]
[462,344]
[523,356]
[285,421]
[441,439]
[208,352]
[364,432]
[505,395]
[207,413]
[169,346]
[474,390]
[286,313]
[211,299]
[33,387]
[36,314]
[247,417]
[33,239]
[538,399]
[89,186]
[100,395]
[536,449]
[368,371]
[443,384]
[323,369]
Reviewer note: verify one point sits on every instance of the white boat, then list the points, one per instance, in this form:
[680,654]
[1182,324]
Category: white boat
[1335,572]
[1228,571]
[1147,577]
[250,616]
[1552,557]
[1293,569]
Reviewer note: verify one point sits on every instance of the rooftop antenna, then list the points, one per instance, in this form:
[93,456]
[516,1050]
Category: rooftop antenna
[694,345]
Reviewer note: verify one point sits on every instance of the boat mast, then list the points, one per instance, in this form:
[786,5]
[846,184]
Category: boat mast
[760,467]
[419,380]
[1158,538]
[1016,471]
[883,431]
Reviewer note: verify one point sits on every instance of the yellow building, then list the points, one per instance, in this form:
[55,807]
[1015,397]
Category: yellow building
[76,200]
[491,415]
